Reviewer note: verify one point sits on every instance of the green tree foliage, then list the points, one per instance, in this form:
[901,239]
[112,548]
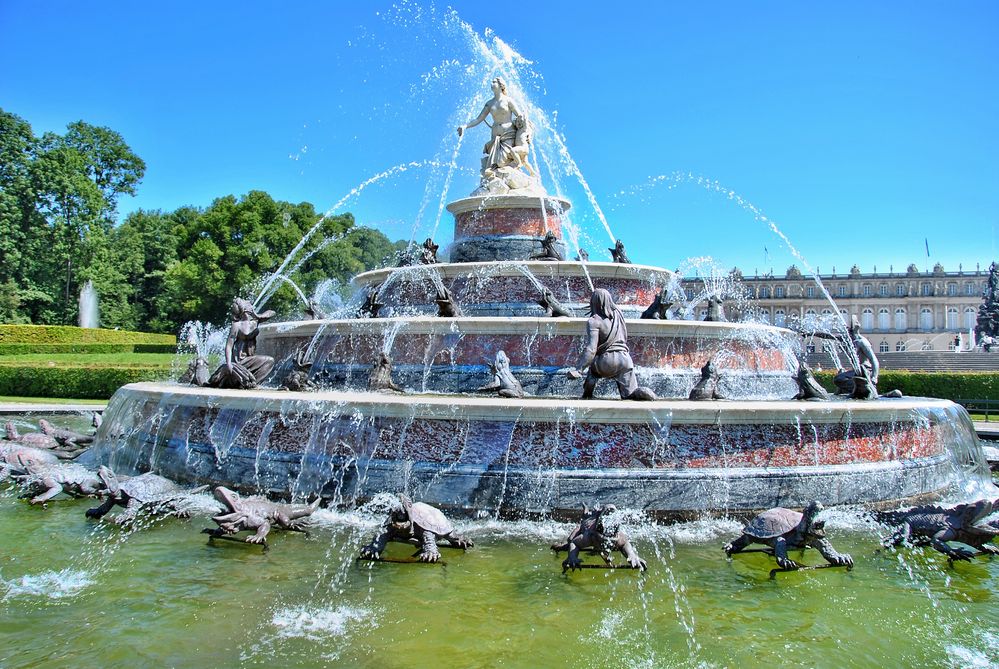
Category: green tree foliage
[233,245]
[156,270]
[58,198]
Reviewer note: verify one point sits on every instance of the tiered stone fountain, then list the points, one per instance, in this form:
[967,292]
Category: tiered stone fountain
[548,452]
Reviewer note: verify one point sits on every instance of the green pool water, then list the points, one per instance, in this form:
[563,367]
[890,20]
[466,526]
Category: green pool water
[74,592]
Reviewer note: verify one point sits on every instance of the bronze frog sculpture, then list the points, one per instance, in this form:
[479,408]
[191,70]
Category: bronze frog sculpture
[591,536]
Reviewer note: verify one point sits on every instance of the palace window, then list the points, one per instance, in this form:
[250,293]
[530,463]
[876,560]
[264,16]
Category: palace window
[927,289]
[867,319]
[867,290]
[765,291]
[779,291]
[810,291]
[952,289]
[969,288]
[842,291]
[900,347]
[884,320]
[970,318]
[883,290]
[925,320]
[883,347]
[901,323]
[779,318]
[900,289]
[952,318]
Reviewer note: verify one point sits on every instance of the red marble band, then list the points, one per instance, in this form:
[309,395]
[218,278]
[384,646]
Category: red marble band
[514,221]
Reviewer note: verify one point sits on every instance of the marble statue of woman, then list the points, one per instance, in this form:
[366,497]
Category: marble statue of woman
[499,150]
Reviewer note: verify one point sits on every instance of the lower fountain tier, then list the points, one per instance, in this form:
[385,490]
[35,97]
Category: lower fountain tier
[540,456]
[451,355]
[513,288]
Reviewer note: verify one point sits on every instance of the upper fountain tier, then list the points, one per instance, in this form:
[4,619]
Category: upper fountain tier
[510,214]
[506,227]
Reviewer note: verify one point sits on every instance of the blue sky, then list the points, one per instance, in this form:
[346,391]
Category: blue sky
[860,129]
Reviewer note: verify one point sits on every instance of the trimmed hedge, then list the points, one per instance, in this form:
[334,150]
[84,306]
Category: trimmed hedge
[944,385]
[24,348]
[76,382]
[67,334]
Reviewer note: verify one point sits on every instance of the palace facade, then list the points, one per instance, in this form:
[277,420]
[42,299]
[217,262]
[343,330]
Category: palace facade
[898,311]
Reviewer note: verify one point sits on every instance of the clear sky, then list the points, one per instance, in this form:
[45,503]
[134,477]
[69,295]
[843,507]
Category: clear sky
[861,129]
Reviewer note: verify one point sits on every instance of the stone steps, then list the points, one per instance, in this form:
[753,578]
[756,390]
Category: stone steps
[924,361]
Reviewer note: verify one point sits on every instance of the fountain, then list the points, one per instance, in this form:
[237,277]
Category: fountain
[747,445]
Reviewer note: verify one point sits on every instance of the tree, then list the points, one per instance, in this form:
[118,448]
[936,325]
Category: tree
[988,312]
[54,192]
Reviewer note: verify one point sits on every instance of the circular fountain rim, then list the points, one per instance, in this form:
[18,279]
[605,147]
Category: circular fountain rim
[483,202]
[547,409]
[540,268]
[518,325]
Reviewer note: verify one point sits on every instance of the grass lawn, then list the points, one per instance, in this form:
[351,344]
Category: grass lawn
[48,400]
[90,359]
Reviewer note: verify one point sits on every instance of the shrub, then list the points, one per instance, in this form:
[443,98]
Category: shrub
[67,334]
[75,382]
[944,385]
[53,349]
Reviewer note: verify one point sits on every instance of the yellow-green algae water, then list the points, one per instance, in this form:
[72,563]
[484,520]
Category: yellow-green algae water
[75,592]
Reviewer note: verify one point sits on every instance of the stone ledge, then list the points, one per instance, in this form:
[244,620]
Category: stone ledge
[484,202]
[544,409]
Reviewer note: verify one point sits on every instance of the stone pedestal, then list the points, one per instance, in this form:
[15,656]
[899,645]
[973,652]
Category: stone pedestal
[504,227]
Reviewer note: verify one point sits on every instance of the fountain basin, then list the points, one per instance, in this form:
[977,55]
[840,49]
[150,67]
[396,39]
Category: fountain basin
[451,355]
[540,455]
[513,287]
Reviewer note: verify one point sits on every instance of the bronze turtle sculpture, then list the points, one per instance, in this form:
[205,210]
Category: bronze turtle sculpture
[418,524]
[149,493]
[783,530]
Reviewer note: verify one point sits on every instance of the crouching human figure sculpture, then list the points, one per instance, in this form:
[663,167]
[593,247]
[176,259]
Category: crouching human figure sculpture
[243,368]
[606,353]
